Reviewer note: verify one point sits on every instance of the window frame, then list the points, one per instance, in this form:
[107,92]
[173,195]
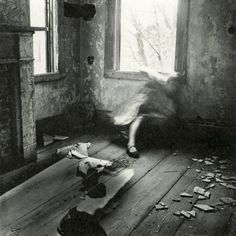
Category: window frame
[112,41]
[60,73]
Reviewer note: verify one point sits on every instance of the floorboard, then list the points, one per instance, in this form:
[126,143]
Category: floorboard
[139,200]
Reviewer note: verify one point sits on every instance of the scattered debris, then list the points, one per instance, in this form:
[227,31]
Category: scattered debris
[223,167]
[186,195]
[231,186]
[210,175]
[223,184]
[199,190]
[218,180]
[208,162]
[210,186]
[48,139]
[207,194]
[176,200]
[228,200]
[215,158]
[60,137]
[194,159]
[192,213]
[225,178]
[205,208]
[201,197]
[223,162]
[206,180]
[177,213]
[185,214]
[160,207]
[233,178]
[198,171]
[200,160]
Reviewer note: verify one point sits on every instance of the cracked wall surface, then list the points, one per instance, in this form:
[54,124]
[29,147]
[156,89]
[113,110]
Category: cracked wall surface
[210,90]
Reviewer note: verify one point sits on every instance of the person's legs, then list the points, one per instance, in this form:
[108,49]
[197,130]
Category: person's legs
[131,149]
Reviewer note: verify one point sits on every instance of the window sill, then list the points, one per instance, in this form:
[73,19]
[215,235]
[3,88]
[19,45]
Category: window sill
[48,77]
[124,75]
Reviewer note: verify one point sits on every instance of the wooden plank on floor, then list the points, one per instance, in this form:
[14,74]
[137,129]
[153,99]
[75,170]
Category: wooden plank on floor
[214,223]
[45,185]
[164,222]
[48,215]
[139,200]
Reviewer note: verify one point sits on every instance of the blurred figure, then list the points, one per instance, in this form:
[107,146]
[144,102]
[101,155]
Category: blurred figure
[156,103]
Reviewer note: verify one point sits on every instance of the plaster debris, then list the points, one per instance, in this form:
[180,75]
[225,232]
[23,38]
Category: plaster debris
[205,208]
[201,197]
[231,186]
[207,194]
[206,180]
[223,167]
[223,184]
[210,175]
[192,213]
[194,159]
[208,162]
[186,195]
[210,186]
[228,200]
[200,160]
[177,213]
[225,178]
[160,207]
[198,171]
[199,190]
[185,214]
[223,162]
[218,180]
[176,200]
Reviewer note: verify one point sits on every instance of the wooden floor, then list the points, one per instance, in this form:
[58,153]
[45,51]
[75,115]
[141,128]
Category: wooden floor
[160,175]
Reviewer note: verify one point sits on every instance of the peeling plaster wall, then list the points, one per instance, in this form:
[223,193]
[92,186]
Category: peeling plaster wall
[54,97]
[14,12]
[210,70]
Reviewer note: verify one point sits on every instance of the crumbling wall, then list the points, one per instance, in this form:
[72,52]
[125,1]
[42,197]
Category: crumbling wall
[211,71]
[54,97]
[209,92]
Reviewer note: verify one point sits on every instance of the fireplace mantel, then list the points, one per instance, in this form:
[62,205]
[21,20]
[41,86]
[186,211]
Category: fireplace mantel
[16,61]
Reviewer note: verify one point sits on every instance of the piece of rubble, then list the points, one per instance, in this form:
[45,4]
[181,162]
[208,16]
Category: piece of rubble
[223,184]
[199,190]
[228,200]
[47,139]
[207,194]
[200,160]
[231,186]
[176,200]
[60,137]
[201,197]
[177,213]
[198,171]
[207,180]
[225,178]
[223,162]
[159,207]
[194,159]
[208,163]
[215,158]
[210,175]
[210,186]
[192,213]
[163,204]
[185,214]
[218,180]
[218,175]
[186,195]
[233,178]
[223,167]
[205,208]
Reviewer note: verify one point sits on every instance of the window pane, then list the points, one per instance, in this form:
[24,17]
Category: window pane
[148,35]
[38,13]
[40,57]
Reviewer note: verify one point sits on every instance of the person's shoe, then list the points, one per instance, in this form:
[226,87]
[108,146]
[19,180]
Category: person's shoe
[132,152]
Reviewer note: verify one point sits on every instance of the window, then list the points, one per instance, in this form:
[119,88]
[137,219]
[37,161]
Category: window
[44,17]
[145,35]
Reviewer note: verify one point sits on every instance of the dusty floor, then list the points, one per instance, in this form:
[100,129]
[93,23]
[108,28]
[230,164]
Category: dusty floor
[37,206]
